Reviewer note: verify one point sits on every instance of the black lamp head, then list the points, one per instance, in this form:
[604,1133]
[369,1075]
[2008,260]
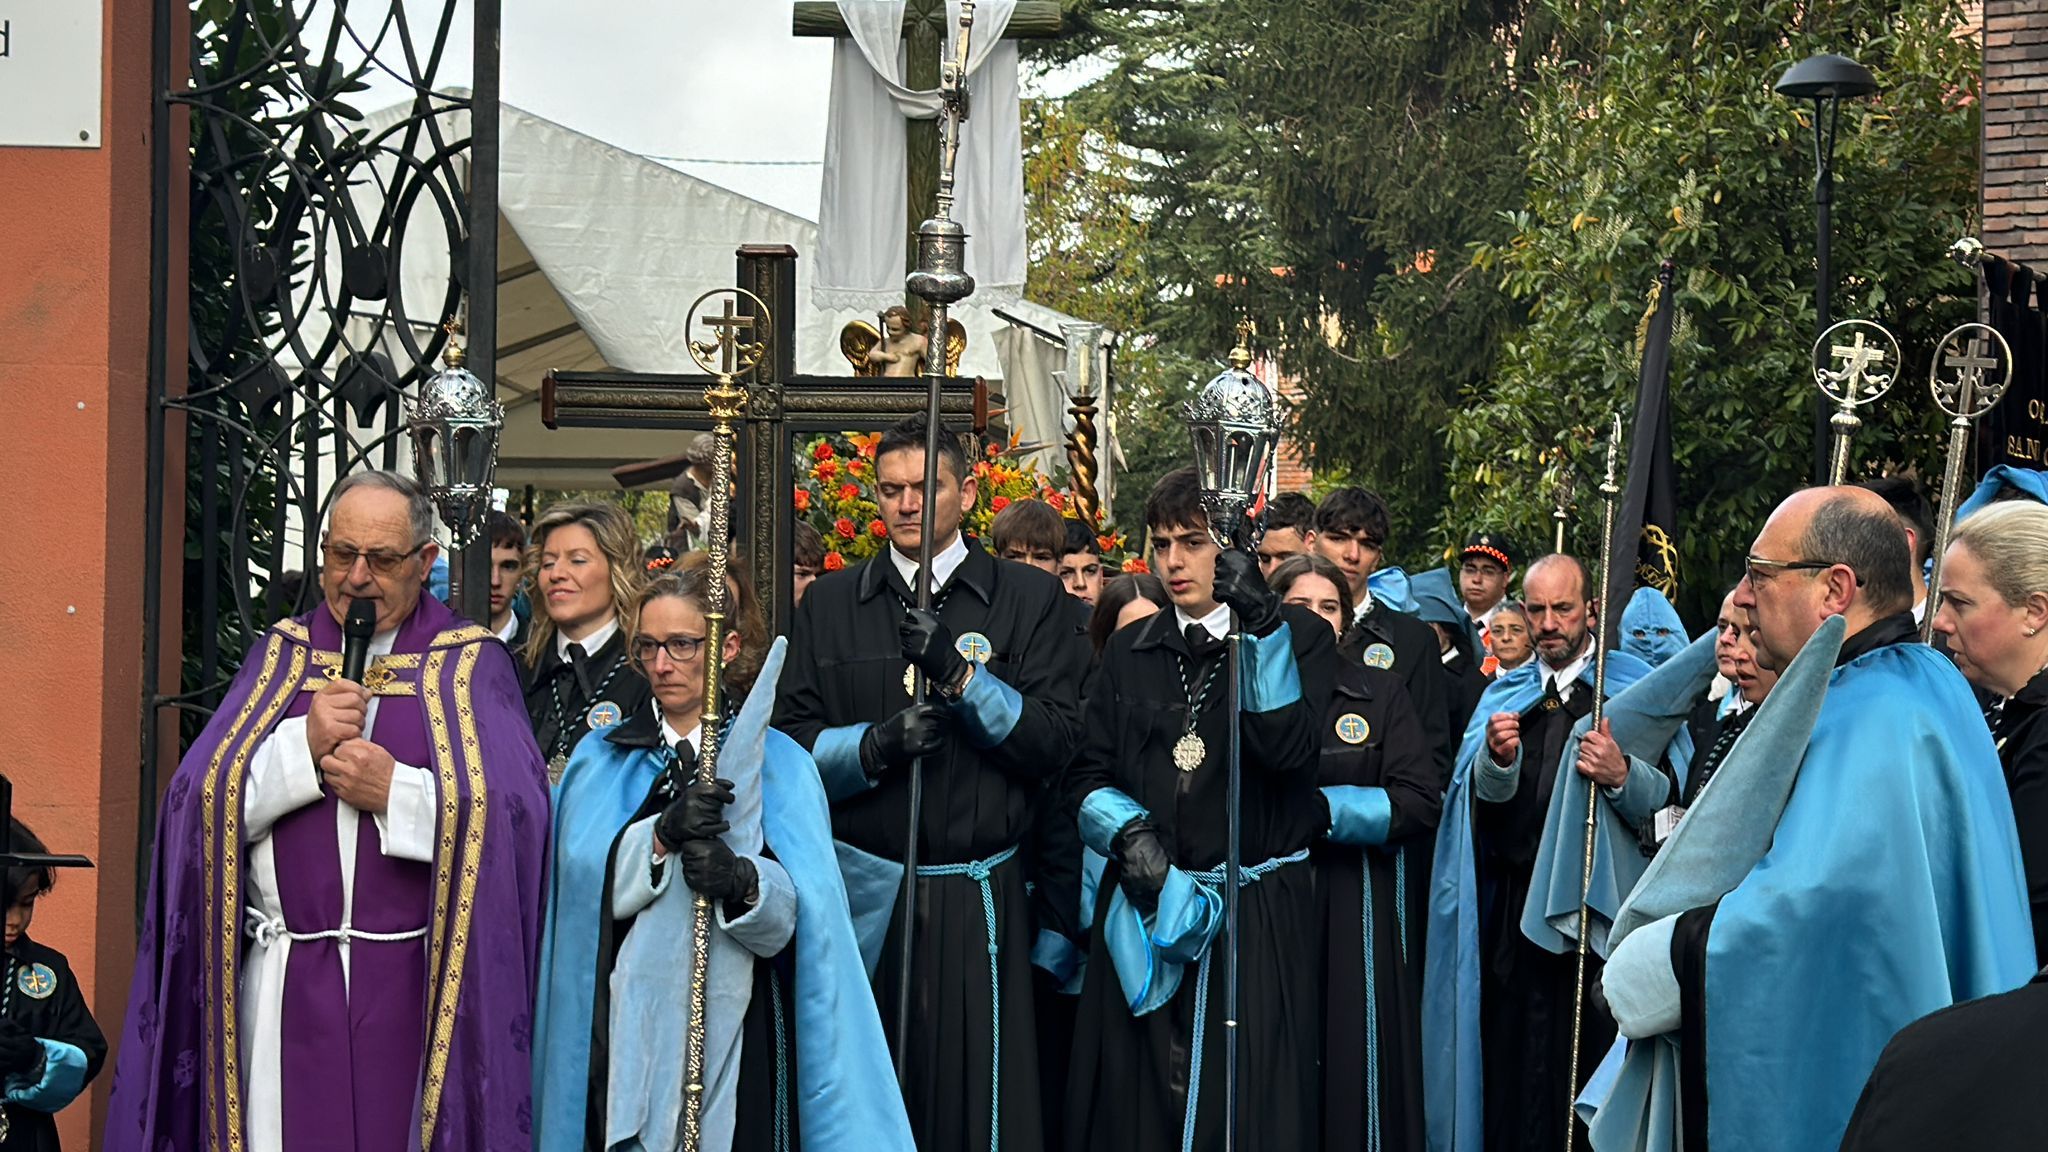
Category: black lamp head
[1830,76]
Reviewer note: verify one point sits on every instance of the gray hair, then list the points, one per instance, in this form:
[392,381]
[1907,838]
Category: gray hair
[2011,541]
[419,510]
[1872,543]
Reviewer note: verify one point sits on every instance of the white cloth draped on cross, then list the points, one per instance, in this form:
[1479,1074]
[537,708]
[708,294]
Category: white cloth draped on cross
[865,199]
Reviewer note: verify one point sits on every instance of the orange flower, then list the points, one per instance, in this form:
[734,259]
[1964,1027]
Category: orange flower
[844,527]
[827,470]
[1137,564]
[994,450]
[849,491]
[877,528]
[856,467]
[864,443]
[999,503]
[1058,501]
[834,561]
[1106,543]
[803,500]
[823,451]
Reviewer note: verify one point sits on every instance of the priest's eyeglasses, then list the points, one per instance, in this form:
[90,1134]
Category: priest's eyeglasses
[342,558]
[680,649]
[1757,568]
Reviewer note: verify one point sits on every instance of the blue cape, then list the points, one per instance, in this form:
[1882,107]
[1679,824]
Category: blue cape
[1451,1086]
[1861,843]
[1392,586]
[1997,479]
[1662,634]
[1648,720]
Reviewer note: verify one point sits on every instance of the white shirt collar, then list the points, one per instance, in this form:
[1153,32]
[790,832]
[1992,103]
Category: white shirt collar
[944,564]
[1564,678]
[669,735]
[1217,621]
[1485,619]
[382,643]
[510,629]
[1363,606]
[591,643]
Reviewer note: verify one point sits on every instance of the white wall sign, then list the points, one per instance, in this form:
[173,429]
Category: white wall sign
[50,73]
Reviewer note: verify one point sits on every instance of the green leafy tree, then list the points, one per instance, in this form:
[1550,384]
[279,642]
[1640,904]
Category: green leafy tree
[1653,133]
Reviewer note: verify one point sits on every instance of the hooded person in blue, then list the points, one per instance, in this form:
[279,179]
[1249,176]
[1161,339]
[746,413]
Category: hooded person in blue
[1650,628]
[1436,604]
[1851,867]
[1497,1008]
[793,1043]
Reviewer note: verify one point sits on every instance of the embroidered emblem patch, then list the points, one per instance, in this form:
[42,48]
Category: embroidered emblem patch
[1352,728]
[1379,656]
[36,981]
[975,647]
[603,714]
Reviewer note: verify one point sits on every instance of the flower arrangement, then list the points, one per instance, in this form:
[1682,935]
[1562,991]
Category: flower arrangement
[835,492]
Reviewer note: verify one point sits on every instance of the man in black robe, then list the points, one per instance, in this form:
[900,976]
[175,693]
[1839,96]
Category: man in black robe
[1351,532]
[1005,664]
[1151,781]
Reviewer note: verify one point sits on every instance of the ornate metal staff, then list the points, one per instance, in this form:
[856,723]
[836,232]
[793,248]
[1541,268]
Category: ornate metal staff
[1235,428]
[1561,488]
[1860,348]
[1971,350]
[1084,358]
[940,279]
[728,358]
[1610,488]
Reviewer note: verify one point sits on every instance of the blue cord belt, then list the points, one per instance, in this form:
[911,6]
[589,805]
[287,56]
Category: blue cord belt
[978,871]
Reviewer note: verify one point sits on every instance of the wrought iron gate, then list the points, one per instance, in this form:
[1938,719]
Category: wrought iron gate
[310,214]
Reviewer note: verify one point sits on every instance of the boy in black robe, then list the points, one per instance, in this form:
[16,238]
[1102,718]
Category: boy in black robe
[1151,783]
[1005,664]
[50,1047]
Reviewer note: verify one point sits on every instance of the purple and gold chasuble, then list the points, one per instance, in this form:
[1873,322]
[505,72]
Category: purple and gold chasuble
[425,1044]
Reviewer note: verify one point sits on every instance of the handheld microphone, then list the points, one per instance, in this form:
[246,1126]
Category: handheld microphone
[356,631]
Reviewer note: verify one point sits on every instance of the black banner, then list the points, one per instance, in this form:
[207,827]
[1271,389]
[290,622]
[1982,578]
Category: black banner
[2016,432]
[1646,533]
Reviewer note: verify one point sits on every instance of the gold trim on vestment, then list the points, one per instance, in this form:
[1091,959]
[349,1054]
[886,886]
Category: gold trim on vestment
[242,736]
[293,629]
[456,637]
[444,859]
[448,997]
[380,676]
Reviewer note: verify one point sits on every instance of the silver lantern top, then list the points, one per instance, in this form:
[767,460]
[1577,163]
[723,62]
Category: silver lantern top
[455,424]
[1235,427]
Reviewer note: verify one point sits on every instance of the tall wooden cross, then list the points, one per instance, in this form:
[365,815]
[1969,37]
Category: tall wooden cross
[782,406]
[924,30]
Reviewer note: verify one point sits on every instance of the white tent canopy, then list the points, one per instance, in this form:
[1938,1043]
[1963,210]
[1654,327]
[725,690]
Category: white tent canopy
[601,251]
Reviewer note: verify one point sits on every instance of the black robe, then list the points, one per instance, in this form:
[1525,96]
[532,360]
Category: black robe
[1384,1052]
[62,1016]
[846,667]
[1128,1087]
[1525,991]
[767,1032]
[559,701]
[2021,731]
[1968,1076]
[1383,633]
[1463,684]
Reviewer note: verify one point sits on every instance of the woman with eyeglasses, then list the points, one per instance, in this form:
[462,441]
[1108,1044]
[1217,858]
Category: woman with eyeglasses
[585,560]
[1511,637]
[793,1042]
[1994,617]
[1380,786]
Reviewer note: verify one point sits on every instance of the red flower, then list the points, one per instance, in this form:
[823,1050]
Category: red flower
[803,500]
[877,528]
[844,527]
[856,467]
[823,451]
[994,451]
[1058,501]
[999,503]
[1137,564]
[1106,543]
[834,561]
[849,491]
[826,471]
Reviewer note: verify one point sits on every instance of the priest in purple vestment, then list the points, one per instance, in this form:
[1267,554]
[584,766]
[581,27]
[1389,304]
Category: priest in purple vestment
[340,943]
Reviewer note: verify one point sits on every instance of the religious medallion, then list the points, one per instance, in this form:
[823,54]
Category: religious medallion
[556,766]
[1353,729]
[1189,752]
[603,714]
[910,680]
[1379,656]
[975,647]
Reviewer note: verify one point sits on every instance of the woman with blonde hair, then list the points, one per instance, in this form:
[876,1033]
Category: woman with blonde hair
[793,1041]
[585,560]
[1994,617]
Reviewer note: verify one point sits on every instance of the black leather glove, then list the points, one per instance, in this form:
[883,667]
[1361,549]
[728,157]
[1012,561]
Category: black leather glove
[1144,862]
[1239,585]
[928,644]
[19,1052]
[918,730]
[698,814]
[711,868]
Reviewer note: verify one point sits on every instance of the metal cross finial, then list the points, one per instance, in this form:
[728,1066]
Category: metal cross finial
[1857,360]
[1240,356]
[1858,347]
[726,354]
[1970,351]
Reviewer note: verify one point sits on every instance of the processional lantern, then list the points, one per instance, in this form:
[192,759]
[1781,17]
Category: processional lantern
[1235,426]
[455,424]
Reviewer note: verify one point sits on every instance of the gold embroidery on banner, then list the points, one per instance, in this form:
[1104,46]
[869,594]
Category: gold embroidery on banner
[243,736]
[450,994]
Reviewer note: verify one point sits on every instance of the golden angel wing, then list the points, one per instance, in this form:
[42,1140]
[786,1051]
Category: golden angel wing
[856,340]
[956,345]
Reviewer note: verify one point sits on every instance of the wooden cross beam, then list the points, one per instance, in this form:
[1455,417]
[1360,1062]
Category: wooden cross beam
[924,30]
[782,407]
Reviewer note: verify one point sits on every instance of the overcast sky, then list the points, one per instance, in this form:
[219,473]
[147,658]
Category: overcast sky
[701,80]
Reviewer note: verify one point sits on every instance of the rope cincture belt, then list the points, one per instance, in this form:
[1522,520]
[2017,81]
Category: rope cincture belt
[978,871]
[267,930]
[1211,880]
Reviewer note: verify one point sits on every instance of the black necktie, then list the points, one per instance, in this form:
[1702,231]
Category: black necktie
[1552,698]
[579,664]
[1201,645]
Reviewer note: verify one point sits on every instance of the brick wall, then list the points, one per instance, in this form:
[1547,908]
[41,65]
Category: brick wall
[2015,157]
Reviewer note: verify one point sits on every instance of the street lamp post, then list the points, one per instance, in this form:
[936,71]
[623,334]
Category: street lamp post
[1827,80]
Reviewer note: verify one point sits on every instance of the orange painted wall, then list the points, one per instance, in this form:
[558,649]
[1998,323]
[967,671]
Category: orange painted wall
[74,338]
